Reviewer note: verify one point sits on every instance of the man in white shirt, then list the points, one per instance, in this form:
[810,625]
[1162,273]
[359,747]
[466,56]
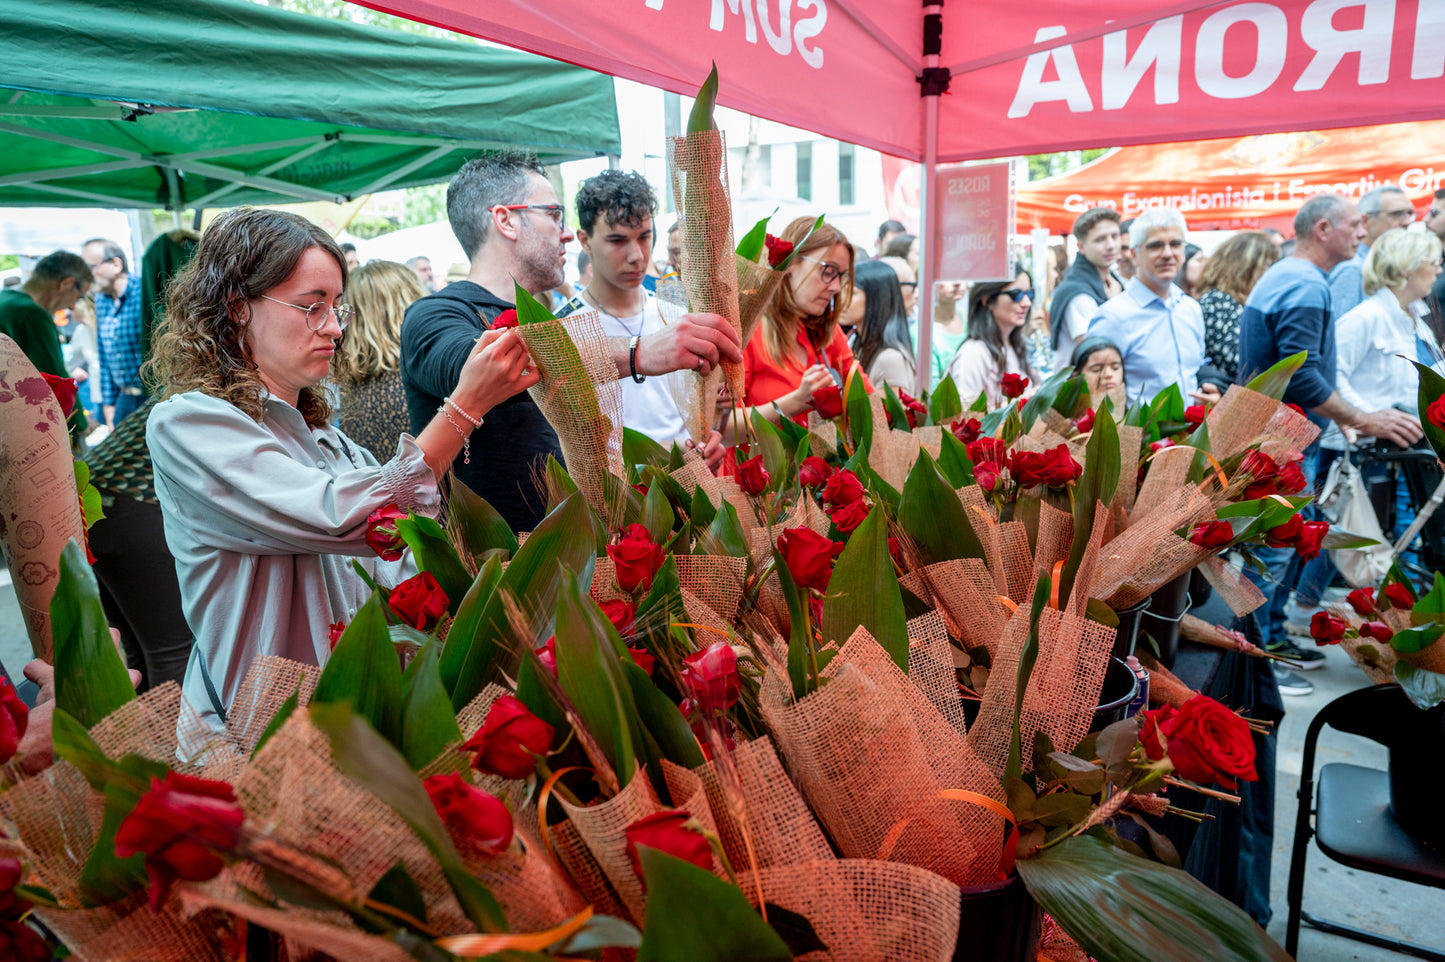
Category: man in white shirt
[615,228]
[1089,281]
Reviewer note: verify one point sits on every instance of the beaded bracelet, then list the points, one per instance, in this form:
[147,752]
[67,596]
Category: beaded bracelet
[464,435]
[474,422]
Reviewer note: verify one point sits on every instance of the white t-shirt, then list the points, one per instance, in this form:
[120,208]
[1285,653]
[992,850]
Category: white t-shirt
[649,407]
[1075,323]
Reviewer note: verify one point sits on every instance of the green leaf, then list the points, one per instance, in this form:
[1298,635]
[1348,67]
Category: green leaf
[1043,398]
[559,483]
[897,414]
[701,117]
[399,890]
[90,676]
[1433,601]
[1121,908]
[1276,380]
[468,618]
[953,461]
[287,709]
[859,412]
[694,915]
[566,538]
[529,309]
[657,516]
[481,528]
[1432,388]
[600,932]
[428,724]
[750,248]
[1097,484]
[661,719]
[362,755]
[1340,538]
[1411,640]
[864,592]
[638,448]
[435,554]
[1073,394]
[773,449]
[703,512]
[107,877]
[725,535]
[799,642]
[945,405]
[931,513]
[1027,657]
[1425,688]
[590,673]
[364,672]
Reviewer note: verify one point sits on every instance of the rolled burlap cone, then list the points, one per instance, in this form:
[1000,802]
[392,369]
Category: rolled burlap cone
[39,506]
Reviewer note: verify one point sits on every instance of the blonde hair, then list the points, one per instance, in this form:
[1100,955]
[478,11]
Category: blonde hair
[779,329]
[379,293]
[1238,264]
[1397,254]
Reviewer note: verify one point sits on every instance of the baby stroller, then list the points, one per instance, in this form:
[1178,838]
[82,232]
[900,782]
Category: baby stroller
[1425,484]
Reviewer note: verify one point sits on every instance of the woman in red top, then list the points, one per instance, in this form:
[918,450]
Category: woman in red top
[799,347]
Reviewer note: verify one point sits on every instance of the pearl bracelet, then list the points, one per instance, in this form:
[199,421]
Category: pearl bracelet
[474,422]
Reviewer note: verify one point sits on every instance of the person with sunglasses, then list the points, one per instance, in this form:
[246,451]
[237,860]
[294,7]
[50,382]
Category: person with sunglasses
[265,502]
[506,215]
[798,347]
[997,314]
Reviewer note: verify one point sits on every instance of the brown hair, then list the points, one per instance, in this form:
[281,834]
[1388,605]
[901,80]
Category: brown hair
[379,293]
[1092,218]
[242,255]
[781,320]
[1238,264]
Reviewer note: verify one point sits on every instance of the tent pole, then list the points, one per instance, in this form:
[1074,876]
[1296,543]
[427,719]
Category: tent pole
[933,82]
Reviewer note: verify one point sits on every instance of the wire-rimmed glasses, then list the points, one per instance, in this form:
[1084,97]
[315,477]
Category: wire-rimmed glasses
[316,313]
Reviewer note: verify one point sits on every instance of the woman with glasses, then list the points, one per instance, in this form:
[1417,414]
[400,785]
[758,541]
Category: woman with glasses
[265,502]
[997,313]
[798,347]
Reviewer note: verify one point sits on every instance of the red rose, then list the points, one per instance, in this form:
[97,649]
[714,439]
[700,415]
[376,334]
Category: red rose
[506,319]
[1161,444]
[65,390]
[635,532]
[1062,468]
[711,678]
[1209,743]
[1311,539]
[334,632]
[510,740]
[473,817]
[828,402]
[813,472]
[1013,385]
[1084,423]
[843,488]
[912,407]
[752,478]
[809,556]
[1377,630]
[1195,414]
[620,613]
[179,826]
[643,659]
[985,475]
[778,249]
[636,562]
[1156,746]
[547,655]
[850,515]
[895,552]
[14,716]
[21,943]
[966,430]
[1327,629]
[1296,409]
[1028,468]
[1291,479]
[1363,601]
[1285,535]
[419,601]
[381,534]
[672,831]
[1212,535]
[1261,469]
[1435,413]
[1399,596]
[988,451]
[11,875]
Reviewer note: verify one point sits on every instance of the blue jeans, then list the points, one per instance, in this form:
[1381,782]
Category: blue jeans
[1265,625]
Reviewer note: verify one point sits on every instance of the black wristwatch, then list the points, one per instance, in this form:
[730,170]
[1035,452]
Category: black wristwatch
[632,359]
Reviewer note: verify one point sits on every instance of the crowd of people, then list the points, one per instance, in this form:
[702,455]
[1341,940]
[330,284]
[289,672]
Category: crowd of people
[293,390]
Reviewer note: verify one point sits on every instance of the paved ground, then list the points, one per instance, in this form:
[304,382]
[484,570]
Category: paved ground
[1369,901]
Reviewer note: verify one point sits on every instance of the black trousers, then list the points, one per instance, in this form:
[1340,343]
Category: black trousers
[139,590]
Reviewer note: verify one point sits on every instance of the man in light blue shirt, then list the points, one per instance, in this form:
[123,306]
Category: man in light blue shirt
[1382,209]
[1158,329]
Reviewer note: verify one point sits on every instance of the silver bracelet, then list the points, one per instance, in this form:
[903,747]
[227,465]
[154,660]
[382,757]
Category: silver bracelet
[464,435]
[474,422]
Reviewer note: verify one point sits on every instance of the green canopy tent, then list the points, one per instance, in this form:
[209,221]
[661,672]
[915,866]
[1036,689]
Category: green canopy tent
[223,102]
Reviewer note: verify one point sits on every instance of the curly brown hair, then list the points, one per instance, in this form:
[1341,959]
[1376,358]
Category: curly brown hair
[1238,264]
[779,329]
[242,255]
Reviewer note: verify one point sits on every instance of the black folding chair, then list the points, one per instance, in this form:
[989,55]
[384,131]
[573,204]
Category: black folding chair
[1356,819]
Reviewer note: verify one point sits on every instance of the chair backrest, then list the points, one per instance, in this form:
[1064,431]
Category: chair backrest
[1382,714]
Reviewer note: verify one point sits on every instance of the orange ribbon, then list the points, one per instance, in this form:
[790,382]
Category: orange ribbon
[1010,841]
[479,946]
[542,797]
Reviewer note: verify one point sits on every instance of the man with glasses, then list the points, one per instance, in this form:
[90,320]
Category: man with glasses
[1382,209]
[117,328]
[1158,329]
[505,214]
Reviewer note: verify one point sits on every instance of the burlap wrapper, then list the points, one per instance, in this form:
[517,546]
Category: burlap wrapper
[602,828]
[1245,418]
[1062,692]
[966,598]
[582,399]
[872,755]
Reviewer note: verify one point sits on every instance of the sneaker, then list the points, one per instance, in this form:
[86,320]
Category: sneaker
[1291,684]
[1305,659]
[1297,618]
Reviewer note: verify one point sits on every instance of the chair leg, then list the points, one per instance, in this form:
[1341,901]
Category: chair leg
[1370,938]
[1294,893]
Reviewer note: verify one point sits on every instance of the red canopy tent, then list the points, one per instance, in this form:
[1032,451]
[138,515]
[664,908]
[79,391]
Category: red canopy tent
[1234,182]
[992,78]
